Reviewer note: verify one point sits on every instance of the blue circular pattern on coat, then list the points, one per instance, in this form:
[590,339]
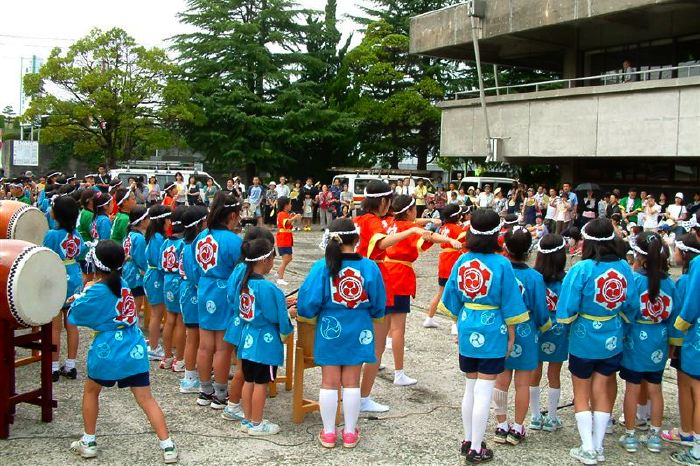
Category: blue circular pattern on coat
[119,335]
[657,356]
[221,284]
[103,351]
[557,329]
[477,340]
[504,329]
[464,316]
[237,321]
[248,341]
[170,296]
[488,318]
[211,307]
[548,347]
[696,345]
[611,344]
[628,342]
[580,330]
[330,328]
[643,335]
[267,337]
[193,300]
[597,325]
[523,330]
[137,352]
[517,351]
[366,337]
[156,284]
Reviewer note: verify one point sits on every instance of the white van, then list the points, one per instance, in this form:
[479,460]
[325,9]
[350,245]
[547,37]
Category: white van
[480,181]
[164,173]
[357,182]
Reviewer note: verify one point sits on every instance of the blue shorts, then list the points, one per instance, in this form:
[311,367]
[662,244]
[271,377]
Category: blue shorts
[636,377]
[584,368]
[285,251]
[491,366]
[136,380]
[138,291]
[402,305]
[442,281]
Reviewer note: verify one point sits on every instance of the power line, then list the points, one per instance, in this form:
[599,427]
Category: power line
[15,36]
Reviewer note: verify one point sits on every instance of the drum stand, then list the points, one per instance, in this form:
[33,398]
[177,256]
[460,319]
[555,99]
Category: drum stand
[36,341]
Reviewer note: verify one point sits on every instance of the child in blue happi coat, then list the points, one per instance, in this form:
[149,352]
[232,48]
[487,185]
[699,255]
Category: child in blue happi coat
[118,353]
[194,220]
[266,325]
[68,244]
[134,245]
[523,359]
[101,227]
[159,222]
[342,295]
[483,295]
[173,329]
[646,340]
[597,298]
[554,343]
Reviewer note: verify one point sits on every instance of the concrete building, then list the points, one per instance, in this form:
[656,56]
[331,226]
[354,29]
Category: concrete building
[634,126]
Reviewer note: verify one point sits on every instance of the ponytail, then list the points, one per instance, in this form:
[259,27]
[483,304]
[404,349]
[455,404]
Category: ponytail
[108,258]
[342,231]
[654,255]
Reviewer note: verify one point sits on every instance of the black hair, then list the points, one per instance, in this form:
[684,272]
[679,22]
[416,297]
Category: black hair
[253,249]
[135,214]
[221,207]
[120,194]
[655,261]
[551,265]
[372,204]
[451,213]
[595,250]
[100,197]
[85,197]
[400,203]
[510,220]
[176,219]
[282,202]
[156,225]
[691,240]
[573,233]
[191,215]
[484,220]
[333,252]
[111,255]
[258,232]
[65,212]
[518,243]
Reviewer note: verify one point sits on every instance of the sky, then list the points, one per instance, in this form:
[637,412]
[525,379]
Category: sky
[61,22]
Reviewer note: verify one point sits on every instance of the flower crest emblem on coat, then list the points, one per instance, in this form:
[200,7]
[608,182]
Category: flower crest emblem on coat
[658,309]
[474,279]
[348,288]
[126,308]
[552,300]
[207,250]
[170,259]
[246,305]
[71,246]
[126,245]
[610,289]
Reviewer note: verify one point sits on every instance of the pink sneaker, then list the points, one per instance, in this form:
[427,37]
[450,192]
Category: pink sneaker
[350,439]
[327,439]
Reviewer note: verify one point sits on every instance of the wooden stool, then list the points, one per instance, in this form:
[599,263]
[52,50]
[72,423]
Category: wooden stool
[35,356]
[305,360]
[287,378]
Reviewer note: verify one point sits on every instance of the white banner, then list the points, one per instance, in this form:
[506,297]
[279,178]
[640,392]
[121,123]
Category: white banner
[25,153]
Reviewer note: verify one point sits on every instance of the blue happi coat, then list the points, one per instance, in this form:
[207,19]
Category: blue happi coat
[170,263]
[554,343]
[189,273]
[153,280]
[689,322]
[136,264]
[68,245]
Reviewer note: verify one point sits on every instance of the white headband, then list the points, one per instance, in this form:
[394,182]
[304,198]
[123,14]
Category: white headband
[164,215]
[335,236]
[411,204]
[588,237]
[92,257]
[492,231]
[140,219]
[511,222]
[384,194]
[126,196]
[114,186]
[170,186]
[196,222]
[456,214]
[639,250]
[109,199]
[681,245]
[231,206]
[261,258]
[176,222]
[549,251]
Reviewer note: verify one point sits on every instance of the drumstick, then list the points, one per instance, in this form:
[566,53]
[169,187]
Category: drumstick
[292,293]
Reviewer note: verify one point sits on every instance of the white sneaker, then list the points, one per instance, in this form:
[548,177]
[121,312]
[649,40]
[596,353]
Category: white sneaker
[264,428]
[382,367]
[453,330]
[282,282]
[404,380]
[600,455]
[170,455]
[429,322]
[156,354]
[179,366]
[233,413]
[609,429]
[368,405]
[167,363]
[388,343]
[189,386]
[84,450]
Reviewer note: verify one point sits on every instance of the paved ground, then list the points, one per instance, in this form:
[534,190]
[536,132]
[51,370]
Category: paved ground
[423,427]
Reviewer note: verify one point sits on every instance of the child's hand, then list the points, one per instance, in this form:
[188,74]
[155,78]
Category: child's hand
[456,244]
[71,299]
[293,311]
[291,301]
[436,221]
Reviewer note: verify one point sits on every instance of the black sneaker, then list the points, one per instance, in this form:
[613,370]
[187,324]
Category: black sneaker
[204,399]
[69,374]
[55,375]
[484,456]
[501,436]
[467,445]
[514,437]
[218,403]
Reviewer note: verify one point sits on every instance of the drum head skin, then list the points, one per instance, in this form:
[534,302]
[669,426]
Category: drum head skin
[36,286]
[22,222]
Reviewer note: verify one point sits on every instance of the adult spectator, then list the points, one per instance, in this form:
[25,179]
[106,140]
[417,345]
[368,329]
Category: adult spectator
[663,202]
[472,194]
[405,187]
[210,191]
[452,188]
[529,208]
[420,193]
[631,206]
[588,208]
[239,185]
[572,198]
[153,191]
[297,202]
[282,188]
[270,211]
[677,213]
[103,178]
[181,196]
[310,189]
[500,203]
[336,189]
[603,205]
[550,217]
[613,207]
[194,194]
[563,213]
[440,197]
[346,200]
[139,189]
[695,206]
[628,72]
[255,198]
[325,206]
[651,214]
[541,198]
[486,198]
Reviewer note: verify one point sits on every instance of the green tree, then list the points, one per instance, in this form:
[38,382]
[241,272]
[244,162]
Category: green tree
[7,117]
[109,96]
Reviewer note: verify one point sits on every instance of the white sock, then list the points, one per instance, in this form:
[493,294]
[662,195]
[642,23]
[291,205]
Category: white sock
[87,438]
[500,401]
[191,376]
[641,411]
[696,446]
[535,401]
[503,425]
[468,408]
[584,422]
[328,401]
[519,428]
[233,405]
[483,389]
[553,402]
[647,410]
[54,366]
[167,443]
[655,429]
[70,364]
[351,408]
[398,373]
[600,423]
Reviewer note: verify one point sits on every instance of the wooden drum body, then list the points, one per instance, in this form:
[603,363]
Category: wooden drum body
[22,222]
[33,283]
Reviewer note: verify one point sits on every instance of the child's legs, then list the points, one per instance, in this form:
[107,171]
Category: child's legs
[397,330]
[205,353]
[150,406]
[612,391]
[370,370]
[138,300]
[656,396]
[582,394]
[91,405]
[72,337]
[695,389]
[235,388]
[179,338]
[436,300]
[554,375]
[331,377]
[503,384]
[222,358]
[600,392]
[154,324]
[258,402]
[247,399]
[685,401]
[522,395]
[537,376]
[350,377]
[56,336]
[643,393]
[286,259]
[168,329]
[632,391]
[191,346]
